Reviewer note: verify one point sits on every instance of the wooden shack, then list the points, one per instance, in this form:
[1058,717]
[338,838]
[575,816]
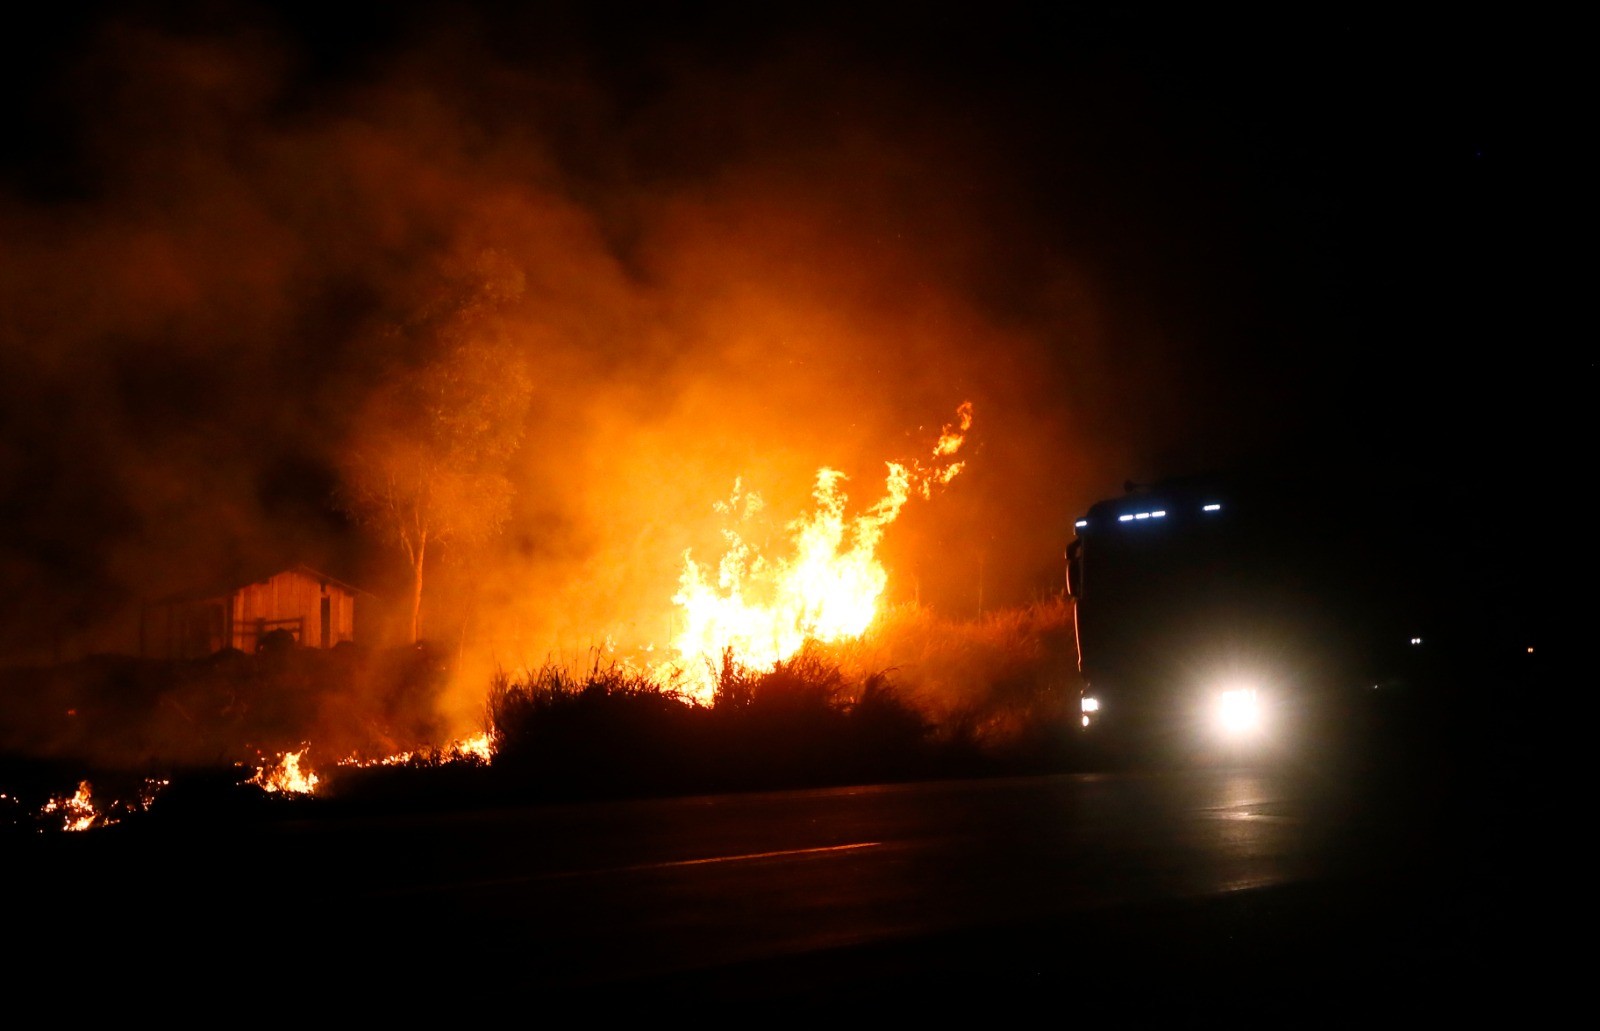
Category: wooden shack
[317,610]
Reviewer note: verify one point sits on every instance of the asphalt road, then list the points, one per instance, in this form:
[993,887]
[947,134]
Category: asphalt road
[1252,889]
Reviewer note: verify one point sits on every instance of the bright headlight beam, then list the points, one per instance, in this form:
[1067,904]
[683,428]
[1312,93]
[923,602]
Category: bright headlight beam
[1238,712]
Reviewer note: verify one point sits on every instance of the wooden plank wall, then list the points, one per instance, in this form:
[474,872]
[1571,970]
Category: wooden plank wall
[293,595]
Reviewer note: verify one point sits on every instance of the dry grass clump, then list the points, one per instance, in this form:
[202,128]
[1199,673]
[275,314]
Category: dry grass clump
[1004,684]
[603,731]
[920,695]
[612,730]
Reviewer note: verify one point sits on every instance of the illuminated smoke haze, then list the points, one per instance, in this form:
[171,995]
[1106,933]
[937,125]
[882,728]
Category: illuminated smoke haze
[746,253]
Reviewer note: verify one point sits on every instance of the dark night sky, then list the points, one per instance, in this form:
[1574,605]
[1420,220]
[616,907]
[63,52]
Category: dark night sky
[1142,246]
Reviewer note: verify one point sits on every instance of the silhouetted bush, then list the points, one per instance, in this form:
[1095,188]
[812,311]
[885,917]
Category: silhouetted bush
[888,736]
[613,731]
[607,732]
[780,726]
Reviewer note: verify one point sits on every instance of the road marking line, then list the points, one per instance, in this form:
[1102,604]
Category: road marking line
[750,855]
[564,874]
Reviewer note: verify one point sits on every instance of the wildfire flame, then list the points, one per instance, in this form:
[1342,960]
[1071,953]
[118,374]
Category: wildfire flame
[286,775]
[78,812]
[479,747]
[476,749]
[760,610]
[291,776]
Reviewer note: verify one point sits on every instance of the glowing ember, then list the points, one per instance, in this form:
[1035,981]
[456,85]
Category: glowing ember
[761,610]
[286,776]
[153,786]
[78,812]
[477,749]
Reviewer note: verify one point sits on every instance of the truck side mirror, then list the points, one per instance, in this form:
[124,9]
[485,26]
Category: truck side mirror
[1075,568]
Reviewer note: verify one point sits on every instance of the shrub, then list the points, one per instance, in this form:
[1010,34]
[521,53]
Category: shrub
[610,731]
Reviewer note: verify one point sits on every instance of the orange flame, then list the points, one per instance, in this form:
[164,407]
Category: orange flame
[78,813]
[476,749]
[287,776]
[761,610]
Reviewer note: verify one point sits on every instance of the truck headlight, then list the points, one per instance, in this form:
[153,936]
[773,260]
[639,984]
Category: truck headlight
[1238,712]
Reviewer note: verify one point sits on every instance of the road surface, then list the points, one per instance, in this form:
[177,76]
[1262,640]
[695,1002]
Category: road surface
[1160,887]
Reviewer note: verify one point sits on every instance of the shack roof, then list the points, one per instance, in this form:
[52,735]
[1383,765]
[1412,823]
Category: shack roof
[226,588]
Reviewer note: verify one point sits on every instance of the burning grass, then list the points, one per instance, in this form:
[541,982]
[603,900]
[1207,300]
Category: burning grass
[1003,686]
[612,731]
[920,695]
[133,713]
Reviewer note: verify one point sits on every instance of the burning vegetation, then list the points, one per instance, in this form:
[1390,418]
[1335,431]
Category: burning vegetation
[466,338]
[968,697]
[757,610]
[789,670]
[285,775]
[80,812]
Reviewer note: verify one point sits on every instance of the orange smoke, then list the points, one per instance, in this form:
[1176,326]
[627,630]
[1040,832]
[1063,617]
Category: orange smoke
[759,610]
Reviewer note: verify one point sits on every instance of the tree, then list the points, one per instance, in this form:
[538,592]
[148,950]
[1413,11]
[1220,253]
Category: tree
[427,462]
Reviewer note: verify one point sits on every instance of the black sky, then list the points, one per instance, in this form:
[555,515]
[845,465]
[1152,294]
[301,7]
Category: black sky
[1144,246]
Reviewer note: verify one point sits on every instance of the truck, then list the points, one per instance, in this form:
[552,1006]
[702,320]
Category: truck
[1243,618]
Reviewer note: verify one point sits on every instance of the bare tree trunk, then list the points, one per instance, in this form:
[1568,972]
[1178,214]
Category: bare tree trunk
[416,589]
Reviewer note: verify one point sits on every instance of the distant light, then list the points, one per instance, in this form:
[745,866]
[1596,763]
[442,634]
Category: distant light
[1142,515]
[1418,640]
[1211,508]
[1158,513]
[1125,519]
[1081,523]
[1530,649]
[1086,721]
[1089,704]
